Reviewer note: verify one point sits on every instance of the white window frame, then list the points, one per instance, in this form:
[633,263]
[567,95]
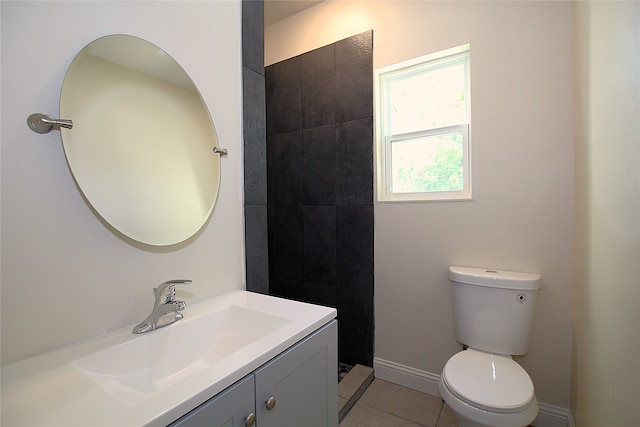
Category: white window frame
[384,140]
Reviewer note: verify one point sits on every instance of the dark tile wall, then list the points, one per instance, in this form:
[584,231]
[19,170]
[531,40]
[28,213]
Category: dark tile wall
[255,154]
[320,185]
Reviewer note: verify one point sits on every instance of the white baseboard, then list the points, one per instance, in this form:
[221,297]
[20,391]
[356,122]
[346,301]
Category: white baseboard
[426,382]
[553,416]
[406,376]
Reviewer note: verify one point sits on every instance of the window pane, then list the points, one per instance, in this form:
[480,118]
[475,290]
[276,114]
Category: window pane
[423,128]
[428,99]
[429,163]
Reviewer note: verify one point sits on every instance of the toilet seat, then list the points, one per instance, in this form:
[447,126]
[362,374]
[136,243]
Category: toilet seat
[490,382]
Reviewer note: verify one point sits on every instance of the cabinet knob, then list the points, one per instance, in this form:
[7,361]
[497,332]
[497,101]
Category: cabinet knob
[271,403]
[249,419]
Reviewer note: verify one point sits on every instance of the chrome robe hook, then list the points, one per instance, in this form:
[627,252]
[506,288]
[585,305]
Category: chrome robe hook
[42,123]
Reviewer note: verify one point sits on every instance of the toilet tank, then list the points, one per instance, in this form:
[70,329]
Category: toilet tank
[494,309]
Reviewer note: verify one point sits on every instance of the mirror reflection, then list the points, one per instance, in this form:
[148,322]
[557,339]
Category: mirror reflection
[141,145]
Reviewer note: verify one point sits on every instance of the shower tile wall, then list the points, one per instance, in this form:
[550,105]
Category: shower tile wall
[320,185]
[255,147]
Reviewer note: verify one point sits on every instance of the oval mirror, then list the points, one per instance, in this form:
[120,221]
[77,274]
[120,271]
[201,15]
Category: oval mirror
[141,147]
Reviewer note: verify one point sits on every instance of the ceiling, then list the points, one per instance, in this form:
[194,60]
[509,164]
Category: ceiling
[277,10]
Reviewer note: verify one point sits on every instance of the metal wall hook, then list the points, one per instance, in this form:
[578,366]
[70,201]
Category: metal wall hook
[42,123]
[222,151]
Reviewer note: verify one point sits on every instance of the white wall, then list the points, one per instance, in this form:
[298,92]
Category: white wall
[606,380]
[65,276]
[521,216]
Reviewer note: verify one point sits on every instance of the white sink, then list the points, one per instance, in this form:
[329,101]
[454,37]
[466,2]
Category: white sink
[148,380]
[158,359]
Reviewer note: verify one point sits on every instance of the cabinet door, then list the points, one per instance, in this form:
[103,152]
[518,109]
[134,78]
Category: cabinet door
[302,384]
[234,407]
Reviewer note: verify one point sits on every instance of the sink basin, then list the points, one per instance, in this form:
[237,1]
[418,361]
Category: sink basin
[152,379]
[156,360]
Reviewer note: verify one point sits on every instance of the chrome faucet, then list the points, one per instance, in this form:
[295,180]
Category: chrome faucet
[165,309]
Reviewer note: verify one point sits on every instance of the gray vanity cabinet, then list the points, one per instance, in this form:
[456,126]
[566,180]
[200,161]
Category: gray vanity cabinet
[233,407]
[298,388]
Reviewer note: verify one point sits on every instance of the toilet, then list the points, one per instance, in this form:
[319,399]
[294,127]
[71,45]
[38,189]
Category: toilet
[493,315]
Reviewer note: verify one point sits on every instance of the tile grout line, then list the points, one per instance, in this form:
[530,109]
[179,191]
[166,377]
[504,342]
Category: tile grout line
[440,413]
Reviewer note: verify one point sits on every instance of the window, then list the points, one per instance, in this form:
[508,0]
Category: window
[423,128]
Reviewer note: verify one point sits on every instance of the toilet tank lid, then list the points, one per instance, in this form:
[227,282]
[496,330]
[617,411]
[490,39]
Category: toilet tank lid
[495,278]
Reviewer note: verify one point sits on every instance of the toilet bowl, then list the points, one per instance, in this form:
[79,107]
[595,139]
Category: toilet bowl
[487,390]
[493,315]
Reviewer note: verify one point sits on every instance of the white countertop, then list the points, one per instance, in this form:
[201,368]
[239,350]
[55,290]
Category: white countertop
[51,390]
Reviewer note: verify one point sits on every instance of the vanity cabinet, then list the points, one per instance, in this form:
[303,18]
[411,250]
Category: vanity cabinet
[301,384]
[299,387]
[234,407]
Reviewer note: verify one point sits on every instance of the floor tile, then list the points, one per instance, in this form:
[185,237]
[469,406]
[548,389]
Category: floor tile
[366,416]
[402,402]
[342,403]
[447,417]
[357,376]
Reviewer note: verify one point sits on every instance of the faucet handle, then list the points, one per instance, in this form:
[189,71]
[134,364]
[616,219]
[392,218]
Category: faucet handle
[168,288]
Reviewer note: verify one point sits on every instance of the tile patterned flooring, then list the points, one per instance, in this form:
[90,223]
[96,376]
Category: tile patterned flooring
[385,404]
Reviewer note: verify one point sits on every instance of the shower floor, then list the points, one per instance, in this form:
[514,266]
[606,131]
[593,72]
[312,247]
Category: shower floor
[343,370]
